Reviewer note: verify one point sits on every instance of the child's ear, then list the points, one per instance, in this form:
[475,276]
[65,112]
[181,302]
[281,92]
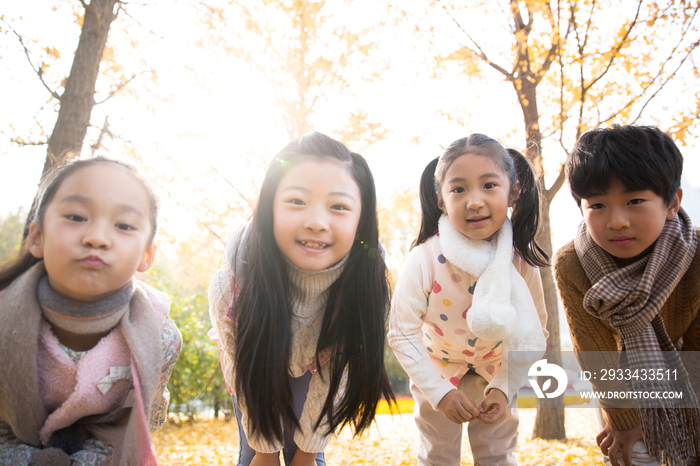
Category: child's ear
[675,205]
[514,193]
[35,241]
[441,204]
[148,257]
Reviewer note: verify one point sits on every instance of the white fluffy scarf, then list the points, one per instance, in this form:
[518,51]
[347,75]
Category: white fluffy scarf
[502,307]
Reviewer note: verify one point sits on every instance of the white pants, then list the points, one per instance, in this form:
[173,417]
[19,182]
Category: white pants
[441,439]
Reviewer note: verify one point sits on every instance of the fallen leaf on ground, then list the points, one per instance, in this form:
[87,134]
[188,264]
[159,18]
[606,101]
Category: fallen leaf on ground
[392,440]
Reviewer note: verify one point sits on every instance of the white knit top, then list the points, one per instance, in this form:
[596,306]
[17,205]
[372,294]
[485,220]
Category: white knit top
[307,297]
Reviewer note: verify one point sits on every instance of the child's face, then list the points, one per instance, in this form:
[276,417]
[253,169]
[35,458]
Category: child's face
[96,232]
[475,195]
[625,223]
[316,212]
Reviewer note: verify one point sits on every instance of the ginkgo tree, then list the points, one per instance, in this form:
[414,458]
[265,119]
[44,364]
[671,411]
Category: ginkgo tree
[74,79]
[572,66]
[71,96]
[313,66]
[313,59]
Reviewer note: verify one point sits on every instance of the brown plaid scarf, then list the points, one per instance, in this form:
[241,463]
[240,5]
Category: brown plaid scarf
[630,298]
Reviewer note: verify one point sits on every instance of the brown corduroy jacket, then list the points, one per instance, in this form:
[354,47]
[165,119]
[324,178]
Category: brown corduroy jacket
[680,313]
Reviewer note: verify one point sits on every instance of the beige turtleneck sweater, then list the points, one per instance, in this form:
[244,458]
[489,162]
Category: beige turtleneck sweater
[307,298]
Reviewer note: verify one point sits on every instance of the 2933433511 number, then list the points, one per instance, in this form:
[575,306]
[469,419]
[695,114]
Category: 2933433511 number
[623,375]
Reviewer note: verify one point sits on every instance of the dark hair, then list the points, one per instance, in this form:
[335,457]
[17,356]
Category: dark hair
[526,210]
[47,190]
[639,157]
[354,320]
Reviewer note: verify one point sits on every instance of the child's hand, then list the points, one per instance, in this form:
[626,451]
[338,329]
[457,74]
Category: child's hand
[493,407]
[301,458]
[266,459]
[613,442]
[457,407]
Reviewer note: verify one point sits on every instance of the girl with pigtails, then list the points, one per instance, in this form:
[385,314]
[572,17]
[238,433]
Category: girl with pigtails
[468,315]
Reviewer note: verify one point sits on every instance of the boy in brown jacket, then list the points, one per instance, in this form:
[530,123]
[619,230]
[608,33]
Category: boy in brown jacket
[630,282]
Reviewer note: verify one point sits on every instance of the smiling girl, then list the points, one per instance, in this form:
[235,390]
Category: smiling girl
[299,308]
[87,349]
[468,315]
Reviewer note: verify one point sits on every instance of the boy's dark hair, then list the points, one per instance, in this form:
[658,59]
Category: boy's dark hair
[526,210]
[639,157]
[354,321]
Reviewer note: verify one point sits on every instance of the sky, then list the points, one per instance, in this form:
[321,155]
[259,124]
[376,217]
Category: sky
[208,110]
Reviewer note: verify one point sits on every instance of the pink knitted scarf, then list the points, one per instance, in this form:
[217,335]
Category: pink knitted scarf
[21,404]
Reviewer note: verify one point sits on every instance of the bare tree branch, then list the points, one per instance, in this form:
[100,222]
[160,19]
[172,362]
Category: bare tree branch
[20,142]
[105,130]
[616,50]
[39,71]
[121,86]
[517,17]
[230,183]
[562,113]
[551,57]
[659,74]
[199,222]
[522,62]
[614,53]
[581,49]
[503,12]
[663,84]
[558,183]
[552,54]
[554,51]
[480,52]
[589,23]
[150,31]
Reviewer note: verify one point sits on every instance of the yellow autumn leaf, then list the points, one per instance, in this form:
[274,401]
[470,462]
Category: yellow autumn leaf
[392,440]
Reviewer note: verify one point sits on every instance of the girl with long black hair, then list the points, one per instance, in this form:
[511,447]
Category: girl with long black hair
[300,306]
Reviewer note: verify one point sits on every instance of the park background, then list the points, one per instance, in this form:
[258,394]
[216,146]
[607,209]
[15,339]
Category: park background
[200,94]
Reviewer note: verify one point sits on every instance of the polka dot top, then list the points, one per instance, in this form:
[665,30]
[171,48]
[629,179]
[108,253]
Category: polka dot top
[429,331]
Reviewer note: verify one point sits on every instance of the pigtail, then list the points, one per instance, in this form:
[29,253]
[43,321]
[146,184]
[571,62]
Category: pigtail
[430,212]
[526,212]
[354,323]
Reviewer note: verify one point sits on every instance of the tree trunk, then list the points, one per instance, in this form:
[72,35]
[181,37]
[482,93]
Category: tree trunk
[549,422]
[78,97]
[228,412]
